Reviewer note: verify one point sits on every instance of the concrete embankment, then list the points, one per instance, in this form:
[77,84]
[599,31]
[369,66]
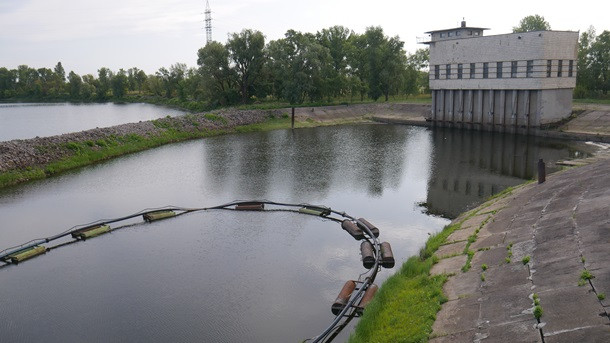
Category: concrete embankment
[34,158]
[532,266]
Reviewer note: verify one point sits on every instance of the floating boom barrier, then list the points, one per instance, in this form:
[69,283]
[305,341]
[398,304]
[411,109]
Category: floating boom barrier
[351,301]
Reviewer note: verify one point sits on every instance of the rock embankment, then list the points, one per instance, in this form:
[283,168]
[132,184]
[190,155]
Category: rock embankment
[21,154]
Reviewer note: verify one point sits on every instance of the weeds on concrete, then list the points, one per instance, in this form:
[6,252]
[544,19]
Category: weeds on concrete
[484,267]
[538,311]
[601,296]
[526,259]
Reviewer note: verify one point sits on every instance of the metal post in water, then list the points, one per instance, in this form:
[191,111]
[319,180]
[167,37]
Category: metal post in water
[541,171]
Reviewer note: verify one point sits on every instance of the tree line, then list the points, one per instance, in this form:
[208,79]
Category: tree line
[334,63]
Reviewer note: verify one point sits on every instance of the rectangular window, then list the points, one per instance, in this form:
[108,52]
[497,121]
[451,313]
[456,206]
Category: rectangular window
[437,72]
[559,68]
[449,34]
[472,70]
[470,33]
[549,67]
[460,70]
[442,34]
[530,68]
[571,68]
[458,33]
[513,69]
[485,70]
[448,71]
[499,70]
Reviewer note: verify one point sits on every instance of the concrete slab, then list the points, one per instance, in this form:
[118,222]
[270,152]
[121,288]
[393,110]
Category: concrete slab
[570,308]
[556,274]
[507,305]
[475,221]
[449,265]
[505,276]
[519,331]
[591,334]
[557,249]
[601,282]
[456,316]
[452,249]
[488,242]
[458,337]
[460,235]
[463,285]
[492,258]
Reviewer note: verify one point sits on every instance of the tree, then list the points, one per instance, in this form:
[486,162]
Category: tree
[584,79]
[600,62]
[119,84]
[75,83]
[532,23]
[218,78]
[7,82]
[103,83]
[300,65]
[336,40]
[246,51]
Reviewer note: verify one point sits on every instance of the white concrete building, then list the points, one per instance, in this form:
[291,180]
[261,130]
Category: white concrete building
[510,82]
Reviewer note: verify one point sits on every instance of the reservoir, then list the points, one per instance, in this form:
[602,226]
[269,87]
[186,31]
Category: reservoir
[28,120]
[225,276]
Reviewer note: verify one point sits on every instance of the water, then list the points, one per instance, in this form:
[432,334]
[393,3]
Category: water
[26,120]
[240,276]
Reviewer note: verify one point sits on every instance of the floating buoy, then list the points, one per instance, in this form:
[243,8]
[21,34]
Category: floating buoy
[368,256]
[91,232]
[251,206]
[387,257]
[367,297]
[343,297]
[158,215]
[316,211]
[27,254]
[371,227]
[352,229]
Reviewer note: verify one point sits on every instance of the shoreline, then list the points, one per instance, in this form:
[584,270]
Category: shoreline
[23,160]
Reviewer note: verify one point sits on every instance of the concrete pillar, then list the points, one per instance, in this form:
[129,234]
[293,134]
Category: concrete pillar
[433,109]
[479,112]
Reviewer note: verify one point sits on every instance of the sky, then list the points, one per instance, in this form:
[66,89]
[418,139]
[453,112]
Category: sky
[87,35]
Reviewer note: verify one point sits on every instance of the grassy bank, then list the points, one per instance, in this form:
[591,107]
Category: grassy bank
[404,309]
[83,153]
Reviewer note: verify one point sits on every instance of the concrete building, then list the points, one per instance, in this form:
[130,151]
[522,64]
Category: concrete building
[509,82]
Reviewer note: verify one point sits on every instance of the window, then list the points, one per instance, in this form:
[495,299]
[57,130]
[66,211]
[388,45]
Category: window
[437,72]
[499,70]
[571,68]
[559,68]
[485,70]
[470,33]
[458,33]
[449,34]
[460,70]
[530,68]
[513,69]
[476,33]
[442,34]
[472,70]
[549,67]
[448,71]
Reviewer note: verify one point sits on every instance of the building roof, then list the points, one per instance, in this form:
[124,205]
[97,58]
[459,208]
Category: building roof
[459,28]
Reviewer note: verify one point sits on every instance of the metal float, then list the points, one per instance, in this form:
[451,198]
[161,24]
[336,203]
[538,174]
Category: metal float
[352,300]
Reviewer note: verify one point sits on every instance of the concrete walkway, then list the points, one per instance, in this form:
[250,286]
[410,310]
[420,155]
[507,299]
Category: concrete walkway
[544,239]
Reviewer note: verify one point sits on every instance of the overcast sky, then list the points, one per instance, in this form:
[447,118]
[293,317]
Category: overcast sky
[86,35]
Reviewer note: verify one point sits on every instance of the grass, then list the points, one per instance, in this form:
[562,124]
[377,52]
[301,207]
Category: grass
[90,152]
[405,307]
[601,296]
[526,259]
[538,311]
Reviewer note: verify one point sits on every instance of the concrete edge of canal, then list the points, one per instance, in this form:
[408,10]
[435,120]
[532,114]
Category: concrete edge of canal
[531,266]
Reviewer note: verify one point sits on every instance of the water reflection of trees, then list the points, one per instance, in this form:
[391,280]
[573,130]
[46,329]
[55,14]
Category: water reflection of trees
[308,163]
[470,166]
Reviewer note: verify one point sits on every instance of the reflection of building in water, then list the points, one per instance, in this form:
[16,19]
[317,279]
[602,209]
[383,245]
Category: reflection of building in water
[471,166]
[503,82]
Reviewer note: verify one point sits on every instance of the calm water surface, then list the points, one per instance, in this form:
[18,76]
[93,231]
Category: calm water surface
[233,277]
[26,120]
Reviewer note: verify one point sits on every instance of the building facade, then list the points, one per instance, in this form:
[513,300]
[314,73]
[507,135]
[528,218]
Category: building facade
[510,82]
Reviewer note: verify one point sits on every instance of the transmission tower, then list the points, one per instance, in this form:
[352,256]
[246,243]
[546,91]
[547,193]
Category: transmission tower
[208,22]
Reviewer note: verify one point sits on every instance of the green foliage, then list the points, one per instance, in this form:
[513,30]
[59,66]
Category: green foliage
[483,277]
[536,299]
[525,260]
[484,267]
[538,311]
[601,296]
[532,23]
[586,275]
